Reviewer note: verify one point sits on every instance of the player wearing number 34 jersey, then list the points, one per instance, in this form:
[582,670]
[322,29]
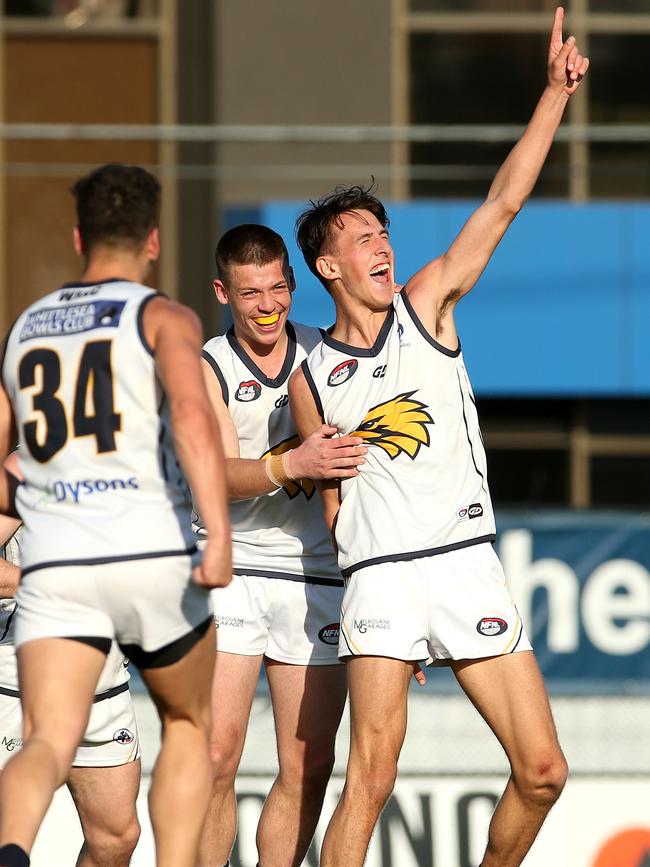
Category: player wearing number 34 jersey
[102,380]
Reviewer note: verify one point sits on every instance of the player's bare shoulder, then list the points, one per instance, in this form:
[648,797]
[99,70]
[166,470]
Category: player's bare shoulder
[165,317]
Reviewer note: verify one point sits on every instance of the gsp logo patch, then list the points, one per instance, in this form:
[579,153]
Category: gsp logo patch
[491,626]
[330,634]
[123,736]
[248,391]
[342,372]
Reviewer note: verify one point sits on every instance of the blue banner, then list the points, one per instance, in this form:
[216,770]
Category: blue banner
[581,582]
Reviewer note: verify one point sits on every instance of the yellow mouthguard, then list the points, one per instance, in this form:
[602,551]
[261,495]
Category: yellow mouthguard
[267,320]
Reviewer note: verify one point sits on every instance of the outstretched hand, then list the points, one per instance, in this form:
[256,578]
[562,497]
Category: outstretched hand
[566,66]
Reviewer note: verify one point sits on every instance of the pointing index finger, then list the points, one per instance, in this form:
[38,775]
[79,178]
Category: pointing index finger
[556,32]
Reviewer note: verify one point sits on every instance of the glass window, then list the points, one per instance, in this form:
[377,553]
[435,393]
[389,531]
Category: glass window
[482,5]
[536,477]
[635,7]
[622,482]
[476,79]
[81,10]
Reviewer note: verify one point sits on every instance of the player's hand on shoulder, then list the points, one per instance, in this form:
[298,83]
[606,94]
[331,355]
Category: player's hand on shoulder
[566,65]
[215,568]
[324,456]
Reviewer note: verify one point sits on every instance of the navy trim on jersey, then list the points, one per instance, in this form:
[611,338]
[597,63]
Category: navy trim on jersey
[79,284]
[364,352]
[8,623]
[416,555]
[102,696]
[217,372]
[100,561]
[140,320]
[248,362]
[289,576]
[452,353]
[469,439]
[312,387]
[521,632]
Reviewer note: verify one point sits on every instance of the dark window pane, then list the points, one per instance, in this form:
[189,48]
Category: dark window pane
[459,79]
[483,5]
[620,482]
[525,415]
[619,417]
[528,477]
[618,78]
[619,171]
[636,7]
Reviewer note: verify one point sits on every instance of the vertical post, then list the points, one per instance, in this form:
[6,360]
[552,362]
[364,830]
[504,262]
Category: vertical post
[580,457]
[399,96]
[579,110]
[167,57]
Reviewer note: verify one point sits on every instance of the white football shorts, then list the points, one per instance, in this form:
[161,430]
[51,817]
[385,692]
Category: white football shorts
[289,621]
[450,606]
[149,603]
[111,737]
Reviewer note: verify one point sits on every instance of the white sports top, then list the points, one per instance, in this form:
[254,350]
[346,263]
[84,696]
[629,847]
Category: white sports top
[113,674]
[423,489]
[281,534]
[102,481]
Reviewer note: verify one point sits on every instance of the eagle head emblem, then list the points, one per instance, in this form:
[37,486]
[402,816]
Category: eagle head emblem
[397,425]
[293,488]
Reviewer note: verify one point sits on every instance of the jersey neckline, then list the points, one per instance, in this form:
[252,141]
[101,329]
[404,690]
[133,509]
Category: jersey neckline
[80,284]
[364,351]
[247,361]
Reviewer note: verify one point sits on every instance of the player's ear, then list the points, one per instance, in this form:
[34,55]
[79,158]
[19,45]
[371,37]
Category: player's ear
[77,242]
[327,268]
[220,291]
[153,245]
[292,280]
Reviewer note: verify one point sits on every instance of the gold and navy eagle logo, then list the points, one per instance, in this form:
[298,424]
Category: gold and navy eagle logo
[397,425]
[293,488]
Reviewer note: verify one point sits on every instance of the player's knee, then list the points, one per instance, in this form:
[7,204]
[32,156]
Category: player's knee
[310,770]
[542,782]
[374,781]
[224,758]
[113,848]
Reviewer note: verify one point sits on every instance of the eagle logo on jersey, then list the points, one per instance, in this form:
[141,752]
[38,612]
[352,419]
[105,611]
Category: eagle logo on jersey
[293,488]
[397,425]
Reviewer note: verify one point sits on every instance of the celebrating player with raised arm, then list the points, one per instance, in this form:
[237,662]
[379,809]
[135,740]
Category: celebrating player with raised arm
[414,529]
[103,378]
[284,601]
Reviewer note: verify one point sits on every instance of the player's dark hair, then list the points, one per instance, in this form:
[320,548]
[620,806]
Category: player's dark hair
[117,206]
[314,225]
[249,244]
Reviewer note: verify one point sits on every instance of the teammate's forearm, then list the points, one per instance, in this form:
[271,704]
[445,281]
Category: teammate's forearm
[518,175]
[9,578]
[247,478]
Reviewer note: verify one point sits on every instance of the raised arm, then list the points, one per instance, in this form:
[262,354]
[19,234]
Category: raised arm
[307,420]
[318,457]
[175,335]
[435,289]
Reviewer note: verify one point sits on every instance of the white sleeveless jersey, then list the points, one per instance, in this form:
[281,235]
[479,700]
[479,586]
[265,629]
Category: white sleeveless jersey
[281,534]
[102,482]
[423,488]
[114,672]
